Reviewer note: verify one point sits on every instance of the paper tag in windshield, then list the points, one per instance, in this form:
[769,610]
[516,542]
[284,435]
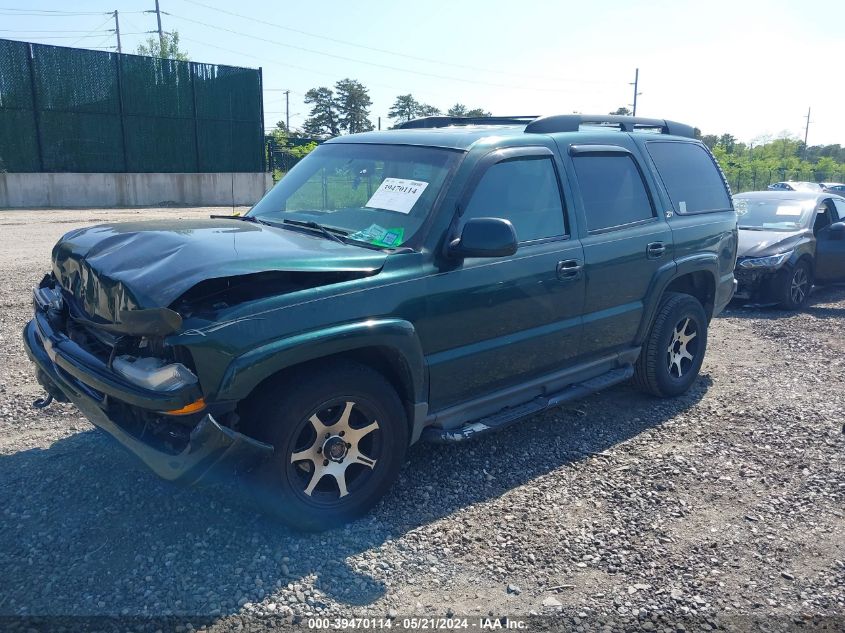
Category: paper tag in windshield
[397,194]
[788,209]
[380,236]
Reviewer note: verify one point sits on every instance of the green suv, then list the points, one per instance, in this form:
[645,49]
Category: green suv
[435,282]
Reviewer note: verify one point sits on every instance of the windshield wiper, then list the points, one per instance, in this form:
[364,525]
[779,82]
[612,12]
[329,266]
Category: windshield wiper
[751,228]
[310,224]
[244,218]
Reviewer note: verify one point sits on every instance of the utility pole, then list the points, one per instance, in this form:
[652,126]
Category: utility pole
[287,110]
[117,31]
[379,123]
[806,132]
[160,32]
[636,94]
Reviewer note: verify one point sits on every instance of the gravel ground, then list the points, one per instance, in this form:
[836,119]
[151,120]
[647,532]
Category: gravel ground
[721,509]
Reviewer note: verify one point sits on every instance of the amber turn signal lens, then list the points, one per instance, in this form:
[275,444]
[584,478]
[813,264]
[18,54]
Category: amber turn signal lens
[196,405]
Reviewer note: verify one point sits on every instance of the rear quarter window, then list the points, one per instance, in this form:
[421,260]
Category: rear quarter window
[691,177]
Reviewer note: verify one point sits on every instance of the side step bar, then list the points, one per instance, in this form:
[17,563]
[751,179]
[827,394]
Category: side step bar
[508,416]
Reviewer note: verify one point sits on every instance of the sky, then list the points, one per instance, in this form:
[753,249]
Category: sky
[748,68]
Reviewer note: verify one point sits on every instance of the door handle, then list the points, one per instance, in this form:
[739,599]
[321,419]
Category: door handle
[656,250]
[569,270]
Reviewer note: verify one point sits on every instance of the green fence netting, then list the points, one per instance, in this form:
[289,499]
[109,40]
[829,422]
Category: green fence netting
[75,110]
[18,152]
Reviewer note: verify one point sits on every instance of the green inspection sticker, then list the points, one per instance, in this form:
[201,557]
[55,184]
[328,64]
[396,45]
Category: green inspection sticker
[380,236]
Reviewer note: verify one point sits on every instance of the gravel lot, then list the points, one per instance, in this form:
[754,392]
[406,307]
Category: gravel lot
[723,508]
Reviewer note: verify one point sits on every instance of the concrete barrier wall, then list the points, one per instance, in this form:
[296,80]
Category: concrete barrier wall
[131,190]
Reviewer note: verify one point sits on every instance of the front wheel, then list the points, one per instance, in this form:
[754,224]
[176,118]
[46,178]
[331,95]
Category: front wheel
[674,350]
[795,286]
[340,436]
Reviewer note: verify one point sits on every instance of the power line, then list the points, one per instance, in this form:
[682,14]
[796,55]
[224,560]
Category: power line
[273,62]
[382,50]
[108,19]
[69,37]
[45,31]
[58,11]
[359,61]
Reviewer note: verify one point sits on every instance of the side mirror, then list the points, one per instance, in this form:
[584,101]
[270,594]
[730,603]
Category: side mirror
[837,231]
[485,237]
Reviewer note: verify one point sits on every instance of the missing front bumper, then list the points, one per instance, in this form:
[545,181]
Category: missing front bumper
[211,448]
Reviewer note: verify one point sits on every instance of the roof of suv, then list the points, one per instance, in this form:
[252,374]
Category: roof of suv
[461,132]
[454,137]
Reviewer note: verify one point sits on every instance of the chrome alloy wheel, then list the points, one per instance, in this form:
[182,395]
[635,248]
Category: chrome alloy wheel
[333,448]
[799,285]
[682,348]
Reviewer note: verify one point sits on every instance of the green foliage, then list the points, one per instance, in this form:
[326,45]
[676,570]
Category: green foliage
[623,111]
[280,134]
[756,165]
[301,151]
[353,106]
[153,47]
[459,109]
[406,108]
[323,120]
[427,110]
[344,109]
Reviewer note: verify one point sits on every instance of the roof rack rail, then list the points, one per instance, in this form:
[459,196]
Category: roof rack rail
[573,122]
[446,121]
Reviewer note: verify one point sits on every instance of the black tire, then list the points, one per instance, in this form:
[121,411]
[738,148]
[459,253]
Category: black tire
[283,415]
[794,285]
[660,370]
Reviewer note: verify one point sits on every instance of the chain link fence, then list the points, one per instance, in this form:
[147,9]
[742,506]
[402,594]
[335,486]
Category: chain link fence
[758,179]
[75,110]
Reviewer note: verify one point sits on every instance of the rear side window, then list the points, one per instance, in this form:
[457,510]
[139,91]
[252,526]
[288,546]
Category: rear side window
[524,191]
[690,176]
[612,189]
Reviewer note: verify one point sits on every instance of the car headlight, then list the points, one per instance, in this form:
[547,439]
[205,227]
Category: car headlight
[772,261]
[154,373]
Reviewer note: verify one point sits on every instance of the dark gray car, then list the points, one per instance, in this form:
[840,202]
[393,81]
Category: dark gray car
[788,240]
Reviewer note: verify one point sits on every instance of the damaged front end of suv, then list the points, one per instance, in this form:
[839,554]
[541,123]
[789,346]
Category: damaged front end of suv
[120,322]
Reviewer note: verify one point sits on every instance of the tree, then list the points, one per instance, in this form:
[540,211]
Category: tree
[727,142]
[404,108]
[153,47]
[710,140]
[280,133]
[478,113]
[323,118]
[459,109]
[424,109]
[623,111]
[352,104]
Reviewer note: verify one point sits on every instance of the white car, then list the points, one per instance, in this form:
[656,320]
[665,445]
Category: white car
[794,185]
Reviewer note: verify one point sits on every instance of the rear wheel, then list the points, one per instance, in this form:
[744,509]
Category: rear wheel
[674,350]
[795,286]
[339,434]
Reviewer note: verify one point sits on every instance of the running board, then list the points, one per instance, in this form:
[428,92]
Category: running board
[510,415]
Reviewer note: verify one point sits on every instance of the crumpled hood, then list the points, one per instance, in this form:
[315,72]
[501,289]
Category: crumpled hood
[763,243]
[111,268]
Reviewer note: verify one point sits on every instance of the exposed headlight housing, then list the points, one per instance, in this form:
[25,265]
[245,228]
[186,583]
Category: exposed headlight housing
[772,261]
[154,373]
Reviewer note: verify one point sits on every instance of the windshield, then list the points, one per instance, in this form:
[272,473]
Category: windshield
[378,195]
[772,214]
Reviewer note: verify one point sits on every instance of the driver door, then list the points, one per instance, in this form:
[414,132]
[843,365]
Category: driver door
[494,323]
[830,246]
